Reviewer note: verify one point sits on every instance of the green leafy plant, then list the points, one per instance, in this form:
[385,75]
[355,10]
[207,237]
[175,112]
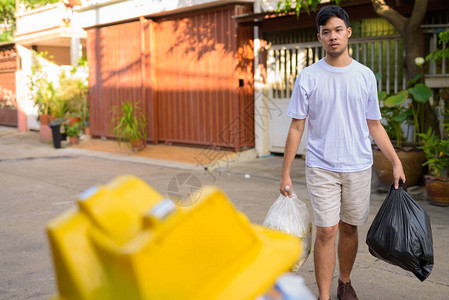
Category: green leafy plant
[8,15]
[420,95]
[74,130]
[286,5]
[129,122]
[442,53]
[394,117]
[41,89]
[73,92]
[437,153]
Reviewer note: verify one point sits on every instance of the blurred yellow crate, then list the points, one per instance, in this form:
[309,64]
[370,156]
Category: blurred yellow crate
[126,241]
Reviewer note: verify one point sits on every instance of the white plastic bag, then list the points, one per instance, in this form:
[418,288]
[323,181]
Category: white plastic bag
[290,215]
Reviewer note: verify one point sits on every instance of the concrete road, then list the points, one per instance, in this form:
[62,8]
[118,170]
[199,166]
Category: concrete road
[38,182]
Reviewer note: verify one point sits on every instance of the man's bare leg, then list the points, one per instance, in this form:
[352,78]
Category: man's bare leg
[324,258]
[347,249]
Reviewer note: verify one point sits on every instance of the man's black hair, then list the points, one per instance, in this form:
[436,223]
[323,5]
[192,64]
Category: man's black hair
[327,12]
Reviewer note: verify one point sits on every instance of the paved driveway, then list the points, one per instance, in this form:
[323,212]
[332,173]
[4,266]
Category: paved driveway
[38,182]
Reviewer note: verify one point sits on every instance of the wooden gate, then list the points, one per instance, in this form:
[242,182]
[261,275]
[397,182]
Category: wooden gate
[192,72]
[8,68]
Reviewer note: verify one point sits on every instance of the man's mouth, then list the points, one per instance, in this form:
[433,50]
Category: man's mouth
[334,45]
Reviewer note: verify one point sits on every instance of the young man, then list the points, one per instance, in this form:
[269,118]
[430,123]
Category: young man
[339,97]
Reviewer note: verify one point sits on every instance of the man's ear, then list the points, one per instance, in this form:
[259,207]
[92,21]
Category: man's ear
[319,37]
[349,32]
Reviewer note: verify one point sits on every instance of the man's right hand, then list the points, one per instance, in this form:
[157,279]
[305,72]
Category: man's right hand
[287,182]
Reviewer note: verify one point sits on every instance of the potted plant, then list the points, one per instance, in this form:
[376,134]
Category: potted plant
[73,90]
[437,158]
[58,107]
[396,113]
[73,131]
[42,90]
[129,125]
[435,146]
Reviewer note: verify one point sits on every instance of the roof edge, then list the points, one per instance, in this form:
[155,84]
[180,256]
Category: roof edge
[106,13]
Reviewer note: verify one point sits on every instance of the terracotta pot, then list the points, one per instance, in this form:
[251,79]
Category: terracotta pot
[87,130]
[412,161]
[73,120]
[44,119]
[45,133]
[137,145]
[74,140]
[437,189]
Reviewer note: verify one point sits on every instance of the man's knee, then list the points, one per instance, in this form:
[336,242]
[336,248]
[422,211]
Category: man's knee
[326,234]
[348,229]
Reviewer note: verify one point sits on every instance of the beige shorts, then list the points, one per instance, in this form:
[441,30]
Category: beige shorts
[339,196]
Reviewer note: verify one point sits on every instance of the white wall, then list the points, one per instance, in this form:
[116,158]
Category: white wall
[24,98]
[104,12]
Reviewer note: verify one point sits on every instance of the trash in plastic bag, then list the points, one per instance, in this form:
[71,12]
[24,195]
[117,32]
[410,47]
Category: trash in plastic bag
[401,234]
[290,215]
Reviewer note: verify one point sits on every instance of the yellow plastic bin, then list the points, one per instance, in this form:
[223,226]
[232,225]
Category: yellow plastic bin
[126,241]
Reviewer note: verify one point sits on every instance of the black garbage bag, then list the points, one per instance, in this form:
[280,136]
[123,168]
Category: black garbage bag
[401,234]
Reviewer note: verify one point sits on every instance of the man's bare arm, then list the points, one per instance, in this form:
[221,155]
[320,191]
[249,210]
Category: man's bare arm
[291,147]
[380,136]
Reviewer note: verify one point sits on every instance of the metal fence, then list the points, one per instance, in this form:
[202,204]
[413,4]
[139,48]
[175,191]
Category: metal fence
[383,55]
[439,68]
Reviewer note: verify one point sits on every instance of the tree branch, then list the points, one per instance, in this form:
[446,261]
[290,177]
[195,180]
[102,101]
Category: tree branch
[385,11]
[418,13]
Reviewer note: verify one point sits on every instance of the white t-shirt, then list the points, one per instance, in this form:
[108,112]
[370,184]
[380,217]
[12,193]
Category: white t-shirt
[337,102]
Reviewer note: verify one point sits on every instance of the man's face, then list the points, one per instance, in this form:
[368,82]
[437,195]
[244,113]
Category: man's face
[334,36]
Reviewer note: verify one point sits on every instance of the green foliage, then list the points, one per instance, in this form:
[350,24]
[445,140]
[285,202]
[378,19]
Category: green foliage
[41,89]
[437,153]
[394,115]
[420,92]
[7,14]
[442,53]
[6,36]
[394,109]
[129,122]
[70,97]
[420,95]
[7,11]
[73,91]
[381,95]
[58,107]
[74,130]
[287,5]
[396,99]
